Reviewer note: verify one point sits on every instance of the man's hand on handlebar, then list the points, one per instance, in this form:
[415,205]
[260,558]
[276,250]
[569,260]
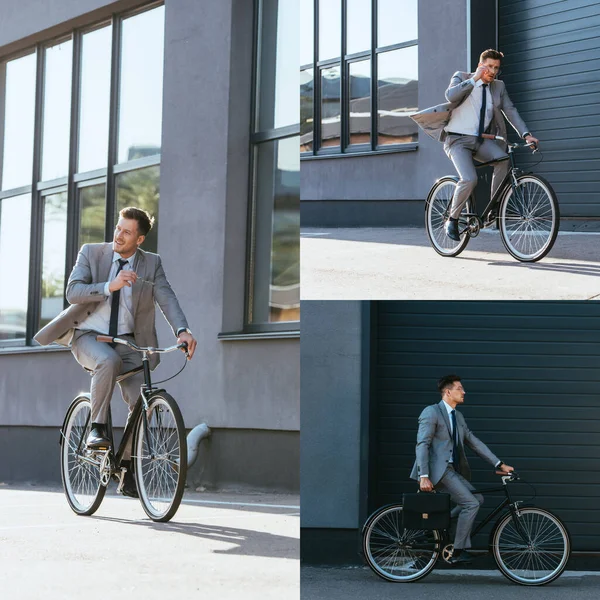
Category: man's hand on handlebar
[425,484]
[532,140]
[507,468]
[186,337]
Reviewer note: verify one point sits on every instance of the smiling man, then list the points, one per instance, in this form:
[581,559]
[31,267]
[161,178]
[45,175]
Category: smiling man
[441,460]
[113,290]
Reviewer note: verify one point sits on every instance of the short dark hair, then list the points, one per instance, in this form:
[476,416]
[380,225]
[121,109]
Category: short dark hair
[491,53]
[145,221]
[447,381]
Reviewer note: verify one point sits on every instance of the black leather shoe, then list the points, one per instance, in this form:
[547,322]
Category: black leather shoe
[98,438]
[464,558]
[452,230]
[129,487]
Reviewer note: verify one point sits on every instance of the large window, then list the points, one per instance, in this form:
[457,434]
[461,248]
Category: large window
[81,126]
[274,271]
[358,75]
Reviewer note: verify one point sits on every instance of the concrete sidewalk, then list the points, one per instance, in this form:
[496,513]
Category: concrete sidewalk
[225,545]
[399,263]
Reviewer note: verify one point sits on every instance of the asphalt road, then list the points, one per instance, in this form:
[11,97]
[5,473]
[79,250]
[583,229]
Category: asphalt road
[226,546]
[399,263]
[359,583]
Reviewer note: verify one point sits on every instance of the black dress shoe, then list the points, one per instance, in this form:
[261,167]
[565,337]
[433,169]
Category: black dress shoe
[129,486]
[97,438]
[464,558]
[452,230]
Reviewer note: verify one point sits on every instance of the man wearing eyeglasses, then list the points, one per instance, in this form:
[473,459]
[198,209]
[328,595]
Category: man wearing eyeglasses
[477,104]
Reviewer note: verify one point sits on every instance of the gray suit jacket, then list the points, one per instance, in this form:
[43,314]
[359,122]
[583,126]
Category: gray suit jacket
[434,444]
[86,288]
[433,120]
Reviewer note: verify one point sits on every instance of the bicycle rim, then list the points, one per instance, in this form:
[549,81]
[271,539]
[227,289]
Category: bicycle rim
[81,481]
[529,219]
[398,554]
[539,556]
[161,458]
[437,209]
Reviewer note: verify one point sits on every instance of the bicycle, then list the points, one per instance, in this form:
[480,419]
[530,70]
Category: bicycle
[159,450]
[524,207]
[530,545]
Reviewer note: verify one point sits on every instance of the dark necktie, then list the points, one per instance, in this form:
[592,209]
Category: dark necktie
[455,452]
[482,112]
[114,306]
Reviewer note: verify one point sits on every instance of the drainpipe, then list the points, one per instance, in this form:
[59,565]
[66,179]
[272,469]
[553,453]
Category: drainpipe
[195,436]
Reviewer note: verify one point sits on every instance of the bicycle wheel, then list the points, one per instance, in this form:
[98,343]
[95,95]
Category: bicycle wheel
[398,554]
[437,209]
[160,455]
[529,218]
[538,556]
[80,477]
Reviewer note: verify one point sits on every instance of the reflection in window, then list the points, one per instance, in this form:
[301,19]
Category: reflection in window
[92,207]
[19,117]
[307,35]
[358,32]
[141,188]
[15,217]
[307,84]
[140,102]
[330,107]
[277,232]
[396,22]
[95,99]
[330,29]
[53,256]
[398,96]
[360,102]
[57,110]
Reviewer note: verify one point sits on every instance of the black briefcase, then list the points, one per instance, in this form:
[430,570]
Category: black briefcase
[426,510]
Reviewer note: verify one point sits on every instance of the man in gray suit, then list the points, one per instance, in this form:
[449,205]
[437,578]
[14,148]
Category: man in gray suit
[112,291]
[441,460]
[477,104]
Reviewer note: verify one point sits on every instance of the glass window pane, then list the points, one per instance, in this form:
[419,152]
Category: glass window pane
[141,85]
[330,107]
[95,99]
[276,294]
[15,227]
[19,118]
[54,246]
[360,102]
[278,102]
[57,110]
[396,22]
[358,32]
[141,188]
[398,96]
[307,88]
[307,31]
[92,207]
[330,29]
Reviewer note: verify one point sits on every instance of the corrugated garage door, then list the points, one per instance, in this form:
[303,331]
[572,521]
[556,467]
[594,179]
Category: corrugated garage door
[531,371]
[552,52]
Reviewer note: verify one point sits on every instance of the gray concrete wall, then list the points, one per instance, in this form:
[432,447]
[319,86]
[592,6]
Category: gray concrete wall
[386,179]
[331,414]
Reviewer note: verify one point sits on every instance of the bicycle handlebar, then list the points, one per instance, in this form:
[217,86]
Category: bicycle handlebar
[512,476]
[489,136]
[148,349]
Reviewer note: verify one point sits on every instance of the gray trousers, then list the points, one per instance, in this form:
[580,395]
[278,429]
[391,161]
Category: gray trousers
[462,150]
[468,504]
[106,364]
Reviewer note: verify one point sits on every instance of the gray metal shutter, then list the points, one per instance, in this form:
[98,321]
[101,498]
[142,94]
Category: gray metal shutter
[552,51]
[531,371]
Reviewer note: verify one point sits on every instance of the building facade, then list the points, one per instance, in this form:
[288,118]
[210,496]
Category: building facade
[185,109]
[367,65]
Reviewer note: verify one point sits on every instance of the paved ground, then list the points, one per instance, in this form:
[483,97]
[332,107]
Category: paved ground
[226,546]
[399,263]
[362,584]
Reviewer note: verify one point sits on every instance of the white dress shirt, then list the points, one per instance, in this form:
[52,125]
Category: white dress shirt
[465,118]
[99,320]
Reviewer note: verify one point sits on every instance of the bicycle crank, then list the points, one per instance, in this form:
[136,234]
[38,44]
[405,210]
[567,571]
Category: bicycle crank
[105,469]
[447,552]
[474,226]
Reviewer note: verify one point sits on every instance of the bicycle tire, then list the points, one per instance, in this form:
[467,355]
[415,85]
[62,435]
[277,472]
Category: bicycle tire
[436,213]
[160,477]
[383,532]
[81,482]
[519,224]
[533,521]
